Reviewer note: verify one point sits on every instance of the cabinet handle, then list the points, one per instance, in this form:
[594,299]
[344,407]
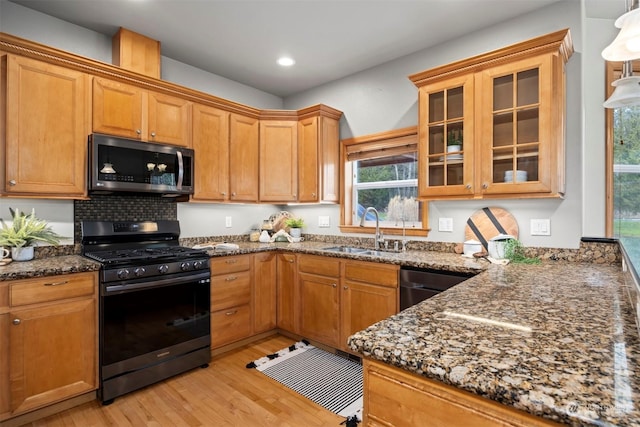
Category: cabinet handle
[231,261]
[231,278]
[12,182]
[64,282]
[16,321]
[231,313]
[138,131]
[153,134]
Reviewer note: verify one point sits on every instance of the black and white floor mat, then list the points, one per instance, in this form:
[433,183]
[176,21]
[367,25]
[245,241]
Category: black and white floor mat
[331,381]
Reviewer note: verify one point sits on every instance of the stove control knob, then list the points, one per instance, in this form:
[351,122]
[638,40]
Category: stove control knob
[185,266]
[198,265]
[123,274]
[139,271]
[163,268]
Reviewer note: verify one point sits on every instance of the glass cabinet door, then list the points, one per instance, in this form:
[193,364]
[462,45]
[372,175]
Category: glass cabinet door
[446,138]
[515,127]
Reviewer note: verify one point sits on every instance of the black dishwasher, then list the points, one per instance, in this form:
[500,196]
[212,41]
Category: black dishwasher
[417,284]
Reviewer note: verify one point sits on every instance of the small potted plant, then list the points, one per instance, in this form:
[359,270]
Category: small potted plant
[295,226]
[454,141]
[24,232]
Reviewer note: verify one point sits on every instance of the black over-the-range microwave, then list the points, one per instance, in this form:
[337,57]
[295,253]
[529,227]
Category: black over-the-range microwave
[126,165]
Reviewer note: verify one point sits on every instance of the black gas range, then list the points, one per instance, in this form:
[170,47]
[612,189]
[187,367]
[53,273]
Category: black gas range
[154,303]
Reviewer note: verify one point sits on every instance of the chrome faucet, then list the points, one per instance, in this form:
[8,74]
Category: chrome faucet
[378,239]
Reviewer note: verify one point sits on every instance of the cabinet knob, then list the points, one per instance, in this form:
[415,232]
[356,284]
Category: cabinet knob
[138,131]
[12,182]
[153,134]
[16,321]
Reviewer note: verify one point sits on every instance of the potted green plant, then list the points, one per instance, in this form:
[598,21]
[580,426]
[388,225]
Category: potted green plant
[24,232]
[454,141]
[295,226]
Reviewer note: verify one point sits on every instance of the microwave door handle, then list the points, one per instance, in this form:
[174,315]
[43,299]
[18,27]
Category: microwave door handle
[180,170]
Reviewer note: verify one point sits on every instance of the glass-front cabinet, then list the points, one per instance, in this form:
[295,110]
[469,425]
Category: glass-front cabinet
[493,125]
[446,168]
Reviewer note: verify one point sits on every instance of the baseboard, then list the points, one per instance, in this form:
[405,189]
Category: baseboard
[49,410]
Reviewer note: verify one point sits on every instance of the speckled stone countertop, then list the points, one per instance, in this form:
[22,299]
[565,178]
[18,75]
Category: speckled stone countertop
[49,266]
[555,340]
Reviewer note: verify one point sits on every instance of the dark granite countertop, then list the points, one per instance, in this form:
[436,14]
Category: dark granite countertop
[557,340]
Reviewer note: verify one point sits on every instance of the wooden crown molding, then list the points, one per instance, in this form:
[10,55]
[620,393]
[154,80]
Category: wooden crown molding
[559,41]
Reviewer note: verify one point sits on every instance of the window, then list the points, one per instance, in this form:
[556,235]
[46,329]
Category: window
[381,171]
[623,165]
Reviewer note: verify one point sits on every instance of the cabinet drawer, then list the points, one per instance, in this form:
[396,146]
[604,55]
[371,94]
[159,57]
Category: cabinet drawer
[229,264]
[323,266]
[372,273]
[51,288]
[229,290]
[230,325]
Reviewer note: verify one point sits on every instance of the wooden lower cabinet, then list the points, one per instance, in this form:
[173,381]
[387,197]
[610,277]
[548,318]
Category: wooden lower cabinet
[287,293]
[50,339]
[264,292]
[394,397]
[230,299]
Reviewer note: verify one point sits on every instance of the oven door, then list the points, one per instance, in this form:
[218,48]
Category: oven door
[143,323]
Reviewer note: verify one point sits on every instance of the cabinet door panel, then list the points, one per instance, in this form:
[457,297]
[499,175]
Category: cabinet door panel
[117,109]
[287,307]
[52,354]
[169,120]
[243,158]
[308,160]
[211,142]
[319,309]
[278,161]
[46,128]
[264,292]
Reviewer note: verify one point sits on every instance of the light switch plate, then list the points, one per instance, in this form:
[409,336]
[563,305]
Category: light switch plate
[445,224]
[541,227]
[324,221]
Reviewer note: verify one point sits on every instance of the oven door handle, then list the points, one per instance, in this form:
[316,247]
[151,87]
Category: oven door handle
[204,277]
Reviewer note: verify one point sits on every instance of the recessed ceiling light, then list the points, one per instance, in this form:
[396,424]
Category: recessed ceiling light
[286,61]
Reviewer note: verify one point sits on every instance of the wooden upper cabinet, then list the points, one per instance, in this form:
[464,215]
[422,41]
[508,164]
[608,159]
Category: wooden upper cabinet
[125,110]
[243,158]
[319,157]
[46,127]
[493,125]
[211,143]
[278,161]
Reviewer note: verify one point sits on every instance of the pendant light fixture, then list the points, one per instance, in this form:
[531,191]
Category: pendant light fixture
[625,47]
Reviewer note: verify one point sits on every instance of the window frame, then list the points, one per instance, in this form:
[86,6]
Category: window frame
[613,72]
[380,141]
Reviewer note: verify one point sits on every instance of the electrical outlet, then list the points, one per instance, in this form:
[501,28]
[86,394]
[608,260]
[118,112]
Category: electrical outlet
[324,221]
[227,222]
[445,224]
[541,227]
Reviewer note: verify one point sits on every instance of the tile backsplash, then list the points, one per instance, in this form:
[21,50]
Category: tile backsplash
[122,208]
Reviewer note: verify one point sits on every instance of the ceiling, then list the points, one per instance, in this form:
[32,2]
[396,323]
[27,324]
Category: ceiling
[241,39]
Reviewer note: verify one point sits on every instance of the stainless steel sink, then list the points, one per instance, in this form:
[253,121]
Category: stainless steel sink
[347,249]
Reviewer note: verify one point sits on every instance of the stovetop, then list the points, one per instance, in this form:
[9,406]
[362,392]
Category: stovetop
[144,255]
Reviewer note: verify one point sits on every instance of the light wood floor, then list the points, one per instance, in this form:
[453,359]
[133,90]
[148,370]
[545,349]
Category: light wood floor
[224,394]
